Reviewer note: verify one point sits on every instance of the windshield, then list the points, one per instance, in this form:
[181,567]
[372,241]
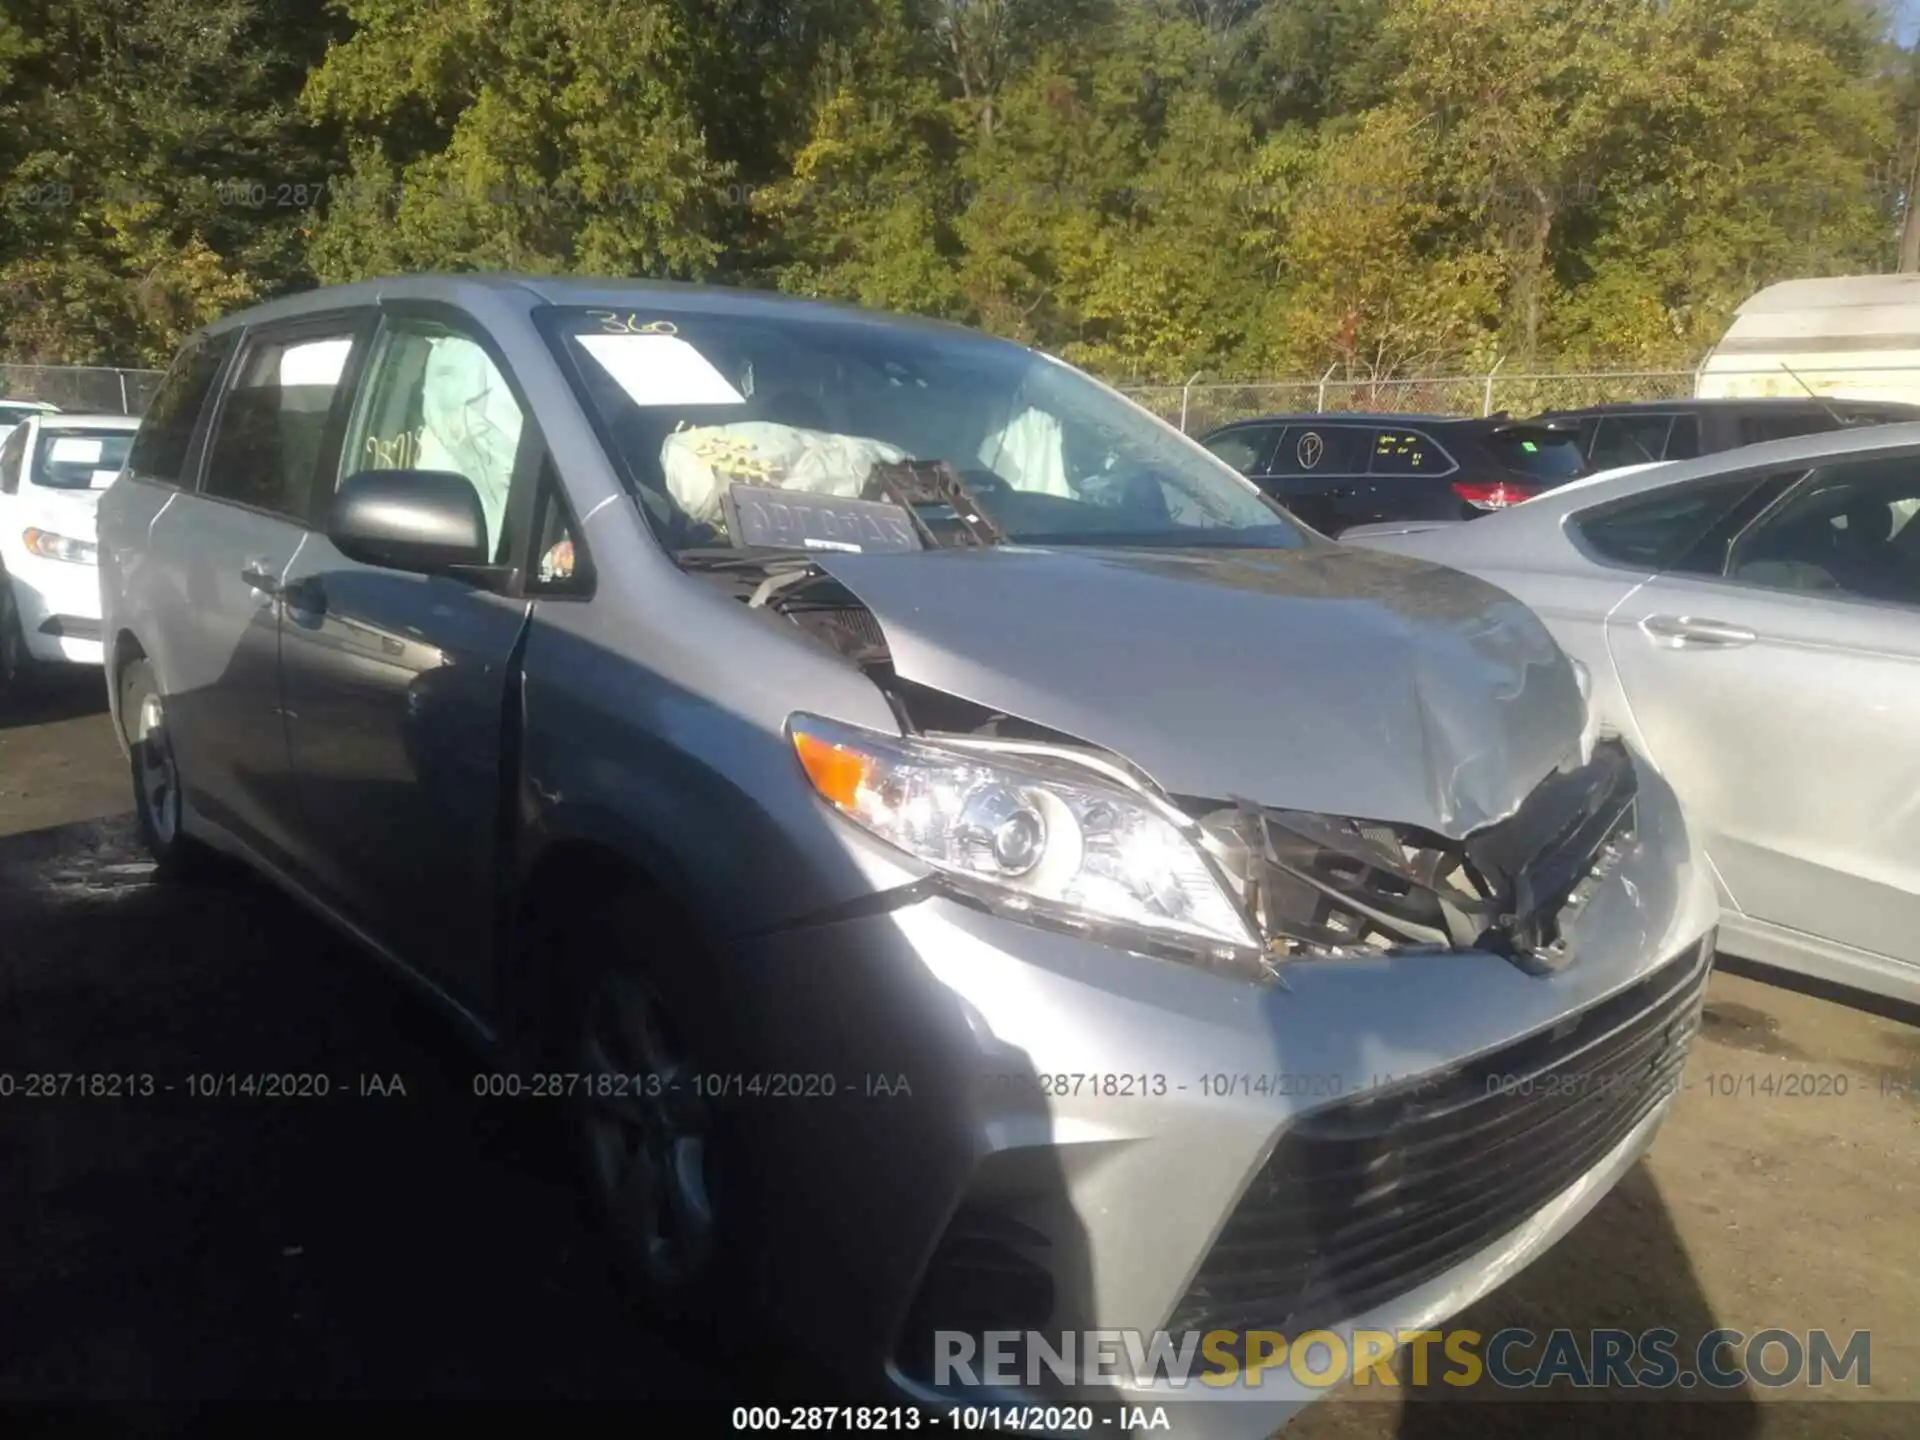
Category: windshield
[79,459]
[693,405]
[1540,454]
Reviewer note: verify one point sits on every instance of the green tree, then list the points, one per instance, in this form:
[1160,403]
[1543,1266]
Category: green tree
[865,209]
[155,175]
[1373,280]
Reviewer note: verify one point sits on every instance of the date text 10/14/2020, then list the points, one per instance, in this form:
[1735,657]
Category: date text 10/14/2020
[705,1085]
[62,1085]
[1051,1420]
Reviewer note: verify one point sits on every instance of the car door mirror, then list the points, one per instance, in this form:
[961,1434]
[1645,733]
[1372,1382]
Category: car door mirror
[428,522]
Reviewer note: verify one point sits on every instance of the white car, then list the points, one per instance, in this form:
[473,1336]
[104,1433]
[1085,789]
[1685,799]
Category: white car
[53,467]
[13,412]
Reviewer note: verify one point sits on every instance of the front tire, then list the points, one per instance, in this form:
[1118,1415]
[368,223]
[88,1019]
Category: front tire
[651,1150]
[19,670]
[157,802]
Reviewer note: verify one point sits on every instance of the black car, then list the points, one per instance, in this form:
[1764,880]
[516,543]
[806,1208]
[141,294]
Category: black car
[1339,470]
[1643,431]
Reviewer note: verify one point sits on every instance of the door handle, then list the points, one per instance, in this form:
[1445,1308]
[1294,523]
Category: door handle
[1683,632]
[256,574]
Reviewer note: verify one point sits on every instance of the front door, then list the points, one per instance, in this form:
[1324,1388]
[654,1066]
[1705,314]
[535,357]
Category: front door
[396,684]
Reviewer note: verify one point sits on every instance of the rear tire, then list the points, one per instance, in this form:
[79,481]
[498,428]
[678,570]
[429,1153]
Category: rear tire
[157,802]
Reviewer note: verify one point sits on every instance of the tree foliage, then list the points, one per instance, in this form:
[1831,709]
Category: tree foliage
[1149,187]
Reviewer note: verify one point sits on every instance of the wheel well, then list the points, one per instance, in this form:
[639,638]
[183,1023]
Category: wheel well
[569,879]
[125,651]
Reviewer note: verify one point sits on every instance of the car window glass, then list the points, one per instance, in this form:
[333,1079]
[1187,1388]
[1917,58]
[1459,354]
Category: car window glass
[1246,449]
[1407,452]
[68,459]
[10,453]
[1756,429]
[434,400]
[1322,450]
[266,445]
[1683,441]
[1654,531]
[1539,454]
[1629,440]
[166,430]
[1845,531]
[695,406]
[560,562]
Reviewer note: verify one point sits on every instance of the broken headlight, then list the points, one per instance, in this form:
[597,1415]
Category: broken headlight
[1031,829]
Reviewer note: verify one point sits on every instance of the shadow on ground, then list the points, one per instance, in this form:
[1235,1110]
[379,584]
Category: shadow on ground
[393,1238]
[55,698]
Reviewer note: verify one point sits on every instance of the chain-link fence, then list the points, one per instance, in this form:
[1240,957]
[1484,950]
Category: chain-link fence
[1199,407]
[86,388]
[1196,408]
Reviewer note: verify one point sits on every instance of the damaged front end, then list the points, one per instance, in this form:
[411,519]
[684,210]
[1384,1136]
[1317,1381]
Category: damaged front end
[1318,885]
[1308,885]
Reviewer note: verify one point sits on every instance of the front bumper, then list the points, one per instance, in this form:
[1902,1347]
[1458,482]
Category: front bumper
[59,604]
[1031,1131]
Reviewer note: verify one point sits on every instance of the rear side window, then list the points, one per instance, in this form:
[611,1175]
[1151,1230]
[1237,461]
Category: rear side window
[159,451]
[1657,531]
[1683,441]
[1756,429]
[1322,450]
[265,450]
[1538,454]
[1629,440]
[1407,452]
[1246,450]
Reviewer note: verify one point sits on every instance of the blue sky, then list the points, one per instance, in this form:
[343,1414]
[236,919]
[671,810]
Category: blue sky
[1906,20]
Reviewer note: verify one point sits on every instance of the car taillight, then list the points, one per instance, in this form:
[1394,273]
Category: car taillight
[1496,496]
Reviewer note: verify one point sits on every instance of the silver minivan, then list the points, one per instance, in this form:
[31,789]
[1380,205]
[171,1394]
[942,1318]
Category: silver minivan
[957,857]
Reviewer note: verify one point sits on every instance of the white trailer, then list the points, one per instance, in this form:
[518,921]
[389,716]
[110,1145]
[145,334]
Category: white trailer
[1851,336]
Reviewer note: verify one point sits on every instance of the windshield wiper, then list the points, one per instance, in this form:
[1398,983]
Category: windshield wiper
[912,484]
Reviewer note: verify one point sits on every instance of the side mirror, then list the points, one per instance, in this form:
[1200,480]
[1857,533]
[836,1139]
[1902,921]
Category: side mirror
[425,521]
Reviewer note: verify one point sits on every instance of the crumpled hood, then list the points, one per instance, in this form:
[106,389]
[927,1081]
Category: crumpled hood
[1337,680]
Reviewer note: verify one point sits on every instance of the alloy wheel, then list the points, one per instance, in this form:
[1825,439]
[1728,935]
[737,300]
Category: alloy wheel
[647,1140]
[159,774]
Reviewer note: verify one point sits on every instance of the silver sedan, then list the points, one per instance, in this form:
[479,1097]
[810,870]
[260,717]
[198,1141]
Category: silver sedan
[1751,622]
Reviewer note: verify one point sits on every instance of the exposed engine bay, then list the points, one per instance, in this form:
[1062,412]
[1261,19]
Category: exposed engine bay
[1311,885]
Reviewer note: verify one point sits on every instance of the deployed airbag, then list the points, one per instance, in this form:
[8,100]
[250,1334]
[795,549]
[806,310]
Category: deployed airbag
[700,464]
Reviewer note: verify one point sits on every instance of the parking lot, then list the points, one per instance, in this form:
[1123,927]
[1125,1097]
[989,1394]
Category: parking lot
[401,1238]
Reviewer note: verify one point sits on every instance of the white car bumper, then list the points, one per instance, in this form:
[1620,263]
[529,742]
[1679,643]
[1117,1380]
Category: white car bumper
[59,604]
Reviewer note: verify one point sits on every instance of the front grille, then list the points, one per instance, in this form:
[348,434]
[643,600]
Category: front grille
[1371,1197]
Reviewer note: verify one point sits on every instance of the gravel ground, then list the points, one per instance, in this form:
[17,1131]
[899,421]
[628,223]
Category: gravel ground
[423,1244]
